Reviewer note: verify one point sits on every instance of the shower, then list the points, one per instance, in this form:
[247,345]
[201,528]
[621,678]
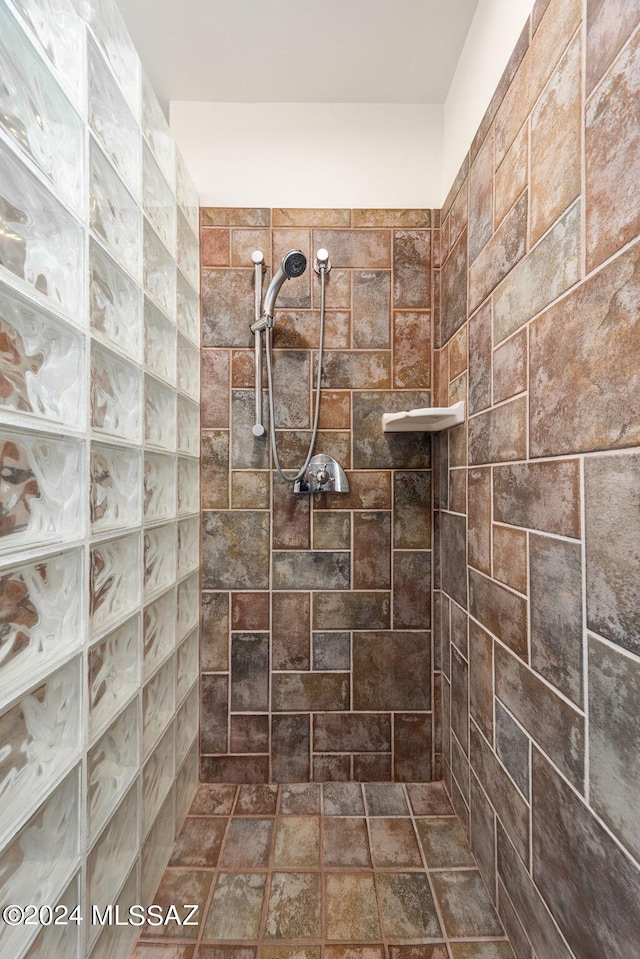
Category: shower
[318,473]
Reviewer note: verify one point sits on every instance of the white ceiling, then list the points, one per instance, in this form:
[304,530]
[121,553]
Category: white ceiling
[323,51]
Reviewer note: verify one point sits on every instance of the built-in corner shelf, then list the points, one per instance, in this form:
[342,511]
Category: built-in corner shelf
[428,420]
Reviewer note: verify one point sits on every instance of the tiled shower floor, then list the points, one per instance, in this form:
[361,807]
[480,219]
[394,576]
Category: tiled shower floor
[332,871]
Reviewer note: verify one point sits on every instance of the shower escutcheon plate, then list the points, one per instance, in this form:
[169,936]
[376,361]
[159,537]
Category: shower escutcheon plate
[322,475]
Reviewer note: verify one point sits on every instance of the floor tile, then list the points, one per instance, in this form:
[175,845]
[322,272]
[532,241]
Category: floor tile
[257,800]
[465,905]
[351,907]
[422,951]
[444,843]
[354,952]
[294,906]
[346,843]
[297,843]
[291,952]
[236,906]
[221,950]
[181,886]
[212,799]
[300,799]
[429,799]
[162,950]
[394,843]
[386,799]
[407,907]
[248,844]
[342,799]
[481,950]
[199,841]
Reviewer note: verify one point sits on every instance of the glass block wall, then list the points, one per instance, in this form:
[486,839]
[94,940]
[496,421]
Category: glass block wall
[99,424]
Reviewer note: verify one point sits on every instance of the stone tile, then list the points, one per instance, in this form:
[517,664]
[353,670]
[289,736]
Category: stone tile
[328,769]
[481,678]
[300,330]
[458,490]
[507,913]
[284,216]
[481,198]
[331,651]
[458,353]
[510,557]
[291,628]
[370,309]
[551,268]
[460,783]
[423,951]
[394,844]
[162,950]
[249,734]
[335,410]
[250,611]
[250,489]
[510,367]
[593,887]
[351,908]
[453,291]
[512,174]
[608,27]
[407,909]
[612,142]
[372,767]
[293,446]
[243,369]
[342,799]
[355,249]
[248,452]
[235,216]
[412,747]
[331,530]
[309,692]
[372,550]
[234,769]
[350,370]
[236,907]
[391,670]
[214,639]
[590,338]
[429,799]
[297,843]
[412,350]
[244,242]
[250,672]
[481,950]
[311,569]
[179,886]
[412,589]
[367,490]
[612,489]
[296,292]
[466,907]
[541,496]
[459,212]
[553,723]
[556,613]
[456,186]
[444,843]
[337,288]
[291,386]
[412,269]
[393,218]
[499,434]
[386,800]
[247,844]
[458,445]
[614,732]
[211,800]
[198,843]
[412,509]
[352,732]
[500,254]
[214,703]
[453,557]
[225,951]
[214,247]
[479,519]
[346,843]
[257,800]
[351,610]
[290,952]
[460,698]
[214,393]
[512,747]
[482,822]
[226,294]
[290,748]
[300,799]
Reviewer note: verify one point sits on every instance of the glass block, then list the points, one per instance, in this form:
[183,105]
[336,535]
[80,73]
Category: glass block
[156,850]
[188,426]
[42,362]
[115,395]
[40,489]
[39,861]
[187,720]
[55,27]
[159,271]
[159,631]
[188,606]
[159,487]
[111,766]
[105,20]
[157,778]
[156,129]
[188,486]
[159,342]
[115,302]
[114,214]
[116,487]
[157,704]
[115,941]
[188,251]
[40,618]
[113,854]
[114,670]
[112,121]
[186,784]
[188,545]
[186,194]
[188,367]
[40,242]
[60,942]
[187,665]
[114,587]
[159,559]
[36,113]
[188,309]
[158,200]
[41,736]
[159,414]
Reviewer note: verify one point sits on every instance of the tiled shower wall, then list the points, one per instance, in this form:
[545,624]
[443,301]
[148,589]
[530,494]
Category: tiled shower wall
[538,495]
[316,646]
[99,335]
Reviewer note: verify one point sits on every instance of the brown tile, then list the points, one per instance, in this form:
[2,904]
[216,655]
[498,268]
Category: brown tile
[346,843]
[337,288]
[612,142]
[290,748]
[458,490]
[291,518]
[411,589]
[234,216]
[459,212]
[307,569]
[349,370]
[214,638]
[249,611]
[242,538]
[212,800]
[412,350]
[608,27]
[460,698]
[456,186]
[179,886]
[542,496]
[453,292]
[287,216]
[214,701]
[499,434]
[236,907]
[482,834]
[162,950]
[481,198]
[290,630]
[250,672]
[412,269]
[214,247]
[199,842]
[453,557]
[309,692]
[512,174]
[215,389]
[234,769]
[407,909]
[249,734]
[481,678]
[331,651]
[297,843]
[412,747]
[247,844]
[247,451]
[480,519]
[225,295]
[500,254]
[351,610]
[300,329]
[412,509]
[329,769]
[296,293]
[250,489]
[372,550]
[367,250]
[466,907]
[458,353]
[350,907]
[386,800]
[331,530]
[242,369]
[291,382]
[510,557]
[613,557]
[391,670]
[223,951]
[354,952]
[244,242]
[372,767]
[393,843]
[510,367]
[393,218]
[258,800]
[342,799]
[367,490]
[290,952]
[429,799]
[444,843]
[352,732]
[511,809]
[335,410]
[370,310]
[300,799]
[502,612]
[437,951]
[513,748]
[294,906]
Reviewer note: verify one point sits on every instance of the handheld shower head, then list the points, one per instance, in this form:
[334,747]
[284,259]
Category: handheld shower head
[294,263]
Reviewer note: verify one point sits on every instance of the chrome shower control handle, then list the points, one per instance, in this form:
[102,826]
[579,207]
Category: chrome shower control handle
[322,476]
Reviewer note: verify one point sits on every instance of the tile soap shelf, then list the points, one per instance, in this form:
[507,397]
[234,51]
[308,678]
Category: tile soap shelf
[427,420]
